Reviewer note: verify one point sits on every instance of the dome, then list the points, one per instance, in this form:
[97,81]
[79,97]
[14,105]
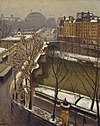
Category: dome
[35,15]
[35,19]
[51,23]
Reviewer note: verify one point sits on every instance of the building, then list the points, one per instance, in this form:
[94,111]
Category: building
[11,40]
[9,18]
[85,27]
[2,49]
[35,20]
[8,24]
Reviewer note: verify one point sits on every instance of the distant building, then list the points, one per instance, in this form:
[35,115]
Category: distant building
[2,49]
[59,19]
[51,23]
[10,18]
[8,24]
[11,40]
[35,20]
[85,27]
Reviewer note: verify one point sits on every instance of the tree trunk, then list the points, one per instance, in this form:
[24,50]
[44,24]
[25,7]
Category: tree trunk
[30,102]
[55,99]
[15,80]
[26,81]
[97,88]
[97,104]
[76,118]
[93,99]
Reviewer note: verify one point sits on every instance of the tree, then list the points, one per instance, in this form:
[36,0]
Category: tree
[24,59]
[93,82]
[92,79]
[58,71]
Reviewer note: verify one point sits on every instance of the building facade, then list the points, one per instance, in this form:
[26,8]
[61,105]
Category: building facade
[9,41]
[85,27]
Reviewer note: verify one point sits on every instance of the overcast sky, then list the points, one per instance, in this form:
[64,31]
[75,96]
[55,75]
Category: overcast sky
[49,8]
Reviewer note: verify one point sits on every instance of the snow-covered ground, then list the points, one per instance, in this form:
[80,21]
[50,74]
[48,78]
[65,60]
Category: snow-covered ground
[2,49]
[76,100]
[76,57]
[48,33]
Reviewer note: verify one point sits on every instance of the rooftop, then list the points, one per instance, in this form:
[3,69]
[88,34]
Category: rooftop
[2,49]
[11,38]
[16,37]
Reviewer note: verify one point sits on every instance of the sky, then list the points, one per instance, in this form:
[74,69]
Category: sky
[50,8]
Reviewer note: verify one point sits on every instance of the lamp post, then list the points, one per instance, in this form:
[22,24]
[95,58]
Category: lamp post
[65,106]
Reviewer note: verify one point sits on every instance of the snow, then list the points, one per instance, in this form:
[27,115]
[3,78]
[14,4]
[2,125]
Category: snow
[76,57]
[95,20]
[36,67]
[18,76]
[10,38]
[95,107]
[2,49]
[37,57]
[70,97]
[5,71]
[40,31]
[83,104]
[44,45]
[26,63]
[45,115]
[65,106]
[51,120]
[15,38]
[28,36]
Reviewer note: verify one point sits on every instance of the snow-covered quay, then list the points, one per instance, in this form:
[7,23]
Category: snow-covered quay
[80,102]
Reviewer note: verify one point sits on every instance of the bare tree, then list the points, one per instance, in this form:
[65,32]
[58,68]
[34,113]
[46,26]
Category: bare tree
[59,72]
[92,79]
[24,59]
